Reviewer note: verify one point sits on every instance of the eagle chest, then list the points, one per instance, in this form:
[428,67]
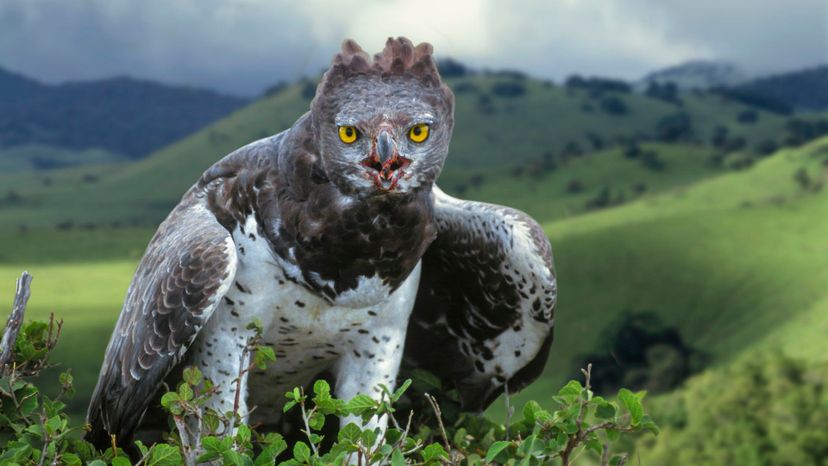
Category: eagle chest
[307,332]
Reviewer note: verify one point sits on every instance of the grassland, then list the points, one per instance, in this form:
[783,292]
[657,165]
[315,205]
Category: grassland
[494,134]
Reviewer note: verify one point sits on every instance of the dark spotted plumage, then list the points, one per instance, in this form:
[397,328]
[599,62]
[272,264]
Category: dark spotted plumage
[327,243]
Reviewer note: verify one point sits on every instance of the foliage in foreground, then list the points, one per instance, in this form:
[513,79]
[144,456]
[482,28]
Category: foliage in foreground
[35,430]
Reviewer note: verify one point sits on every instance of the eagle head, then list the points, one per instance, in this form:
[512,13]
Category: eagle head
[383,126]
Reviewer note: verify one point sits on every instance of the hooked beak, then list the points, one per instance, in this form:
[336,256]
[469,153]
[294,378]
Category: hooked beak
[386,148]
[385,162]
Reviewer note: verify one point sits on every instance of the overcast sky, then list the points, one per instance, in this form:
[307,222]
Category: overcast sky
[243,46]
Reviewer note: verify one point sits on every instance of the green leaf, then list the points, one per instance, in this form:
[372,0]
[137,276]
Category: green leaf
[321,389]
[426,381]
[571,391]
[360,404]
[399,392]
[231,457]
[495,450]
[433,452]
[648,424]
[185,391]
[301,452]
[316,421]
[70,459]
[632,402]
[96,463]
[164,455]
[192,375]
[169,398]
[120,461]
[349,433]
[263,356]
[605,411]
[397,458]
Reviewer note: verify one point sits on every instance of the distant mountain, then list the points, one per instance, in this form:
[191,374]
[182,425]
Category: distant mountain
[805,90]
[120,115]
[696,74]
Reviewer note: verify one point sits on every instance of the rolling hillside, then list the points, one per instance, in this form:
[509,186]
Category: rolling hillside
[504,123]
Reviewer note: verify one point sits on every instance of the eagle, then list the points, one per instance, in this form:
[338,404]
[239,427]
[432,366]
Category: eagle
[334,237]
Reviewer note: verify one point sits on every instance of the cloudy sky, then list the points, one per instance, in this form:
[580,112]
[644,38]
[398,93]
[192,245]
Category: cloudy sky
[242,46]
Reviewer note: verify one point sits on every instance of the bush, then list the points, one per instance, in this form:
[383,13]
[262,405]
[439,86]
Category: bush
[614,106]
[641,352]
[34,428]
[748,117]
[667,92]
[450,68]
[508,89]
[767,147]
[673,128]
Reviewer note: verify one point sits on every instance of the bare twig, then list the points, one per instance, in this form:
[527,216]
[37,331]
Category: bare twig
[189,452]
[510,410]
[21,298]
[305,418]
[433,402]
[605,454]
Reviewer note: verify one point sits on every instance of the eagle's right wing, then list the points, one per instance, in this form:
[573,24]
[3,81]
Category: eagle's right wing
[186,270]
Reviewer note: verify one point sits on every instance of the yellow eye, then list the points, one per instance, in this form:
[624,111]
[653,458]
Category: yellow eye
[348,134]
[418,133]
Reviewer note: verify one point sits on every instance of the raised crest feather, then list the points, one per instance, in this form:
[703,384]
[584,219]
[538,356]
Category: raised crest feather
[400,57]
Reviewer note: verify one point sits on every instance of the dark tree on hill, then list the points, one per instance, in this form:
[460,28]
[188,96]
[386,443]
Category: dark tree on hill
[748,116]
[595,140]
[572,149]
[574,187]
[720,134]
[614,105]
[451,68]
[805,90]
[754,99]
[638,350]
[800,131]
[673,128]
[465,87]
[485,104]
[767,147]
[632,150]
[667,91]
[651,160]
[735,143]
[508,89]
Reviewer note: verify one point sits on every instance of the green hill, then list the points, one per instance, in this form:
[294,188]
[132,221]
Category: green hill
[504,123]
[735,263]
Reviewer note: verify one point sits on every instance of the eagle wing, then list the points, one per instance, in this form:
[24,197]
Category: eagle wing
[483,317]
[186,269]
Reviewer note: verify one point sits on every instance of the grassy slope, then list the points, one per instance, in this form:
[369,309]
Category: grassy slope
[23,158]
[736,262]
[520,129]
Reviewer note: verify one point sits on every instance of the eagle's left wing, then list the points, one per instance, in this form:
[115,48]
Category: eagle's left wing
[484,312]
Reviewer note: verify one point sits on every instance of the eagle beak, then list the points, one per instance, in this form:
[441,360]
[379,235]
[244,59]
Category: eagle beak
[386,147]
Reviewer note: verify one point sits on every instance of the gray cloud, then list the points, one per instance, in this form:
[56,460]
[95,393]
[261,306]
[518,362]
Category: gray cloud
[242,46]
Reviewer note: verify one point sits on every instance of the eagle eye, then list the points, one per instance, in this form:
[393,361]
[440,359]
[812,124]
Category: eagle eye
[348,134]
[418,133]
